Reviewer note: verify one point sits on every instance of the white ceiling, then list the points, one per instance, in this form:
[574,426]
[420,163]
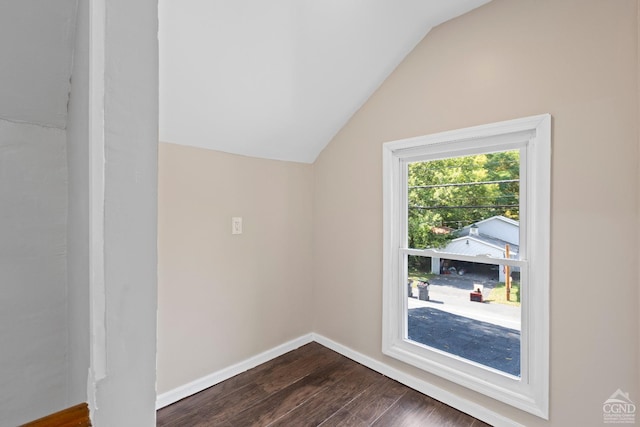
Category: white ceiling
[274,79]
[279,78]
[36,41]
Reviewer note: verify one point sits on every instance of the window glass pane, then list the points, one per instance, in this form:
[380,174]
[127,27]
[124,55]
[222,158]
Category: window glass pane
[466,205]
[462,308]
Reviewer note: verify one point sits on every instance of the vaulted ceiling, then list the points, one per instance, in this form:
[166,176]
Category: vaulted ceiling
[264,78]
[279,78]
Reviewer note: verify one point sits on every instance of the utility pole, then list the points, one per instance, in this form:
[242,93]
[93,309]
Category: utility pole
[507,273]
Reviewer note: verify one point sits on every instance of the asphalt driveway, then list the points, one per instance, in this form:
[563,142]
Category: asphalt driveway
[482,332]
[483,342]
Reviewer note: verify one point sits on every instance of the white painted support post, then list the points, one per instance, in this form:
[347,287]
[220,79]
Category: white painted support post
[123,260]
[435,265]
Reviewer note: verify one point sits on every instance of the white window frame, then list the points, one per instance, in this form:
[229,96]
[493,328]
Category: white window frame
[532,136]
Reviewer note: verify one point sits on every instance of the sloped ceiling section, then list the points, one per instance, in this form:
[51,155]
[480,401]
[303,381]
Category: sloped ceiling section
[279,78]
[36,41]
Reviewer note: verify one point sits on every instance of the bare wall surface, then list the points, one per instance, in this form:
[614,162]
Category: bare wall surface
[36,41]
[78,214]
[223,298]
[638,129]
[33,316]
[575,59]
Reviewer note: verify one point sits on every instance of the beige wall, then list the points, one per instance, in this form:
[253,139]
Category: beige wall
[223,298]
[574,59]
[310,256]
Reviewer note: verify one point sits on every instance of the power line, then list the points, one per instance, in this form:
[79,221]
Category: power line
[464,207]
[462,184]
[478,199]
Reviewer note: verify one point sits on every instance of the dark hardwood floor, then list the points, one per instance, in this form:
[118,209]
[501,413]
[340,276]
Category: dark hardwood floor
[311,386]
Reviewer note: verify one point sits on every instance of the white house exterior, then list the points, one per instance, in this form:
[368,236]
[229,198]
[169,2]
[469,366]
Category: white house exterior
[487,237]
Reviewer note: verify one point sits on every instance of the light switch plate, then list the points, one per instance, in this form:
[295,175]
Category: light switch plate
[236,225]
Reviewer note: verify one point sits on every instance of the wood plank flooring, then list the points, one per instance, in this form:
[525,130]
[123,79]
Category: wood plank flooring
[311,386]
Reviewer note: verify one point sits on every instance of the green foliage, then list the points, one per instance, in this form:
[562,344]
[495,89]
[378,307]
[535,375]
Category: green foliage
[435,205]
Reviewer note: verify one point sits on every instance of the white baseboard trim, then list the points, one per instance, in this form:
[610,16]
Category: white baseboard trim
[178,393]
[464,405]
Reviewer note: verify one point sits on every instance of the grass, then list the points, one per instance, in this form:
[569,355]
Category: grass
[419,275]
[498,294]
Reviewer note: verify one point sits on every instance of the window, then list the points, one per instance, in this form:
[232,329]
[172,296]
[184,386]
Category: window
[466,257]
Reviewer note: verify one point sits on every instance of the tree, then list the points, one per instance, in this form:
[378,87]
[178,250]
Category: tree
[456,192]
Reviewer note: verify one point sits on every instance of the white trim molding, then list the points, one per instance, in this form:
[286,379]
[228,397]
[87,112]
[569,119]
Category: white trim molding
[97,292]
[532,137]
[453,400]
[186,390]
[464,405]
